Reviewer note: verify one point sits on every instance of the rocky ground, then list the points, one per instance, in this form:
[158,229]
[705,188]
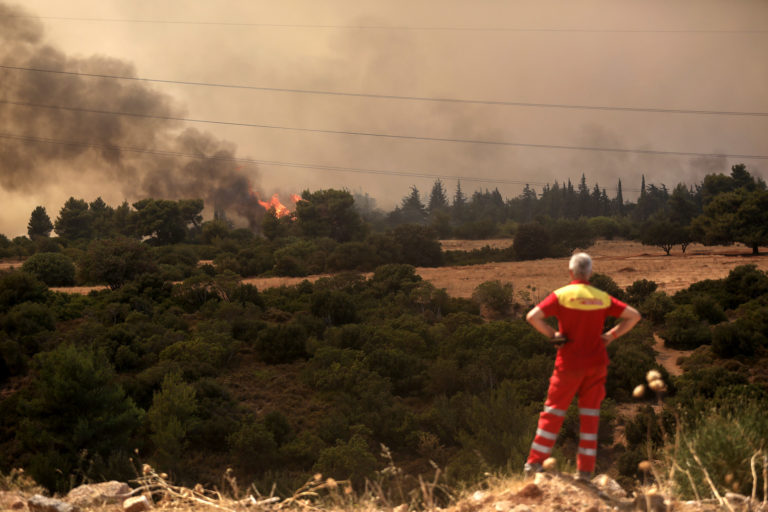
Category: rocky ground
[550,491]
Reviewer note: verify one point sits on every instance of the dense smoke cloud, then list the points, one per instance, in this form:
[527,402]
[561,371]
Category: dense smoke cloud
[105,159]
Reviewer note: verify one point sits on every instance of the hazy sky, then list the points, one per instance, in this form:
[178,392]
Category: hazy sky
[689,55]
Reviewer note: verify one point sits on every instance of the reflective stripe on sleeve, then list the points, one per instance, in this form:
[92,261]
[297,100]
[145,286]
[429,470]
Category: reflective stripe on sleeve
[541,448]
[588,451]
[554,410]
[587,437]
[589,412]
[546,435]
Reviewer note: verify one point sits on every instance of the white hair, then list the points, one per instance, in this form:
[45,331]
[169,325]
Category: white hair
[581,265]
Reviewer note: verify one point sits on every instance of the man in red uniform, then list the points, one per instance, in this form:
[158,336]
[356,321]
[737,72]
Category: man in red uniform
[582,360]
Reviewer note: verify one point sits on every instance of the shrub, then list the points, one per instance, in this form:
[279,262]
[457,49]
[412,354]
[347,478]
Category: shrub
[253,446]
[171,416]
[28,318]
[640,290]
[282,343]
[75,403]
[532,241]
[496,297]
[683,330]
[17,287]
[419,245]
[725,440]
[708,309]
[391,278]
[52,268]
[333,307]
[115,262]
[740,338]
[351,460]
[352,256]
[744,283]
[656,307]
[253,261]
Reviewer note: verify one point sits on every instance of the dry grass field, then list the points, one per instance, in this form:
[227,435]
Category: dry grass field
[624,261]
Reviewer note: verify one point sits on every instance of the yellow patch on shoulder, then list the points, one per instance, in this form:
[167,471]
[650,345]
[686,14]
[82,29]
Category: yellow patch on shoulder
[582,297]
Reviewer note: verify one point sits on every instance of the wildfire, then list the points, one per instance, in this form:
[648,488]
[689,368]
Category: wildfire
[280,209]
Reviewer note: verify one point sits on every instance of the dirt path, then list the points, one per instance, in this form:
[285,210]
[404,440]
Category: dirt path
[667,357]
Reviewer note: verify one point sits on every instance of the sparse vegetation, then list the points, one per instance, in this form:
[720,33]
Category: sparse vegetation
[185,363]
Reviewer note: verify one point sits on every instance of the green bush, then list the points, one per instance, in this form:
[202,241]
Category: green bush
[282,343]
[496,297]
[28,318]
[683,330]
[419,245]
[171,416]
[743,337]
[351,460]
[640,290]
[352,256]
[75,403]
[656,306]
[115,261]
[333,307]
[17,287]
[744,283]
[253,446]
[52,268]
[532,241]
[724,439]
[708,309]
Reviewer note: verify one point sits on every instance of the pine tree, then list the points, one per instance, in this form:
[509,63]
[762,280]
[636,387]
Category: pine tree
[437,199]
[413,210]
[40,224]
[619,200]
[459,207]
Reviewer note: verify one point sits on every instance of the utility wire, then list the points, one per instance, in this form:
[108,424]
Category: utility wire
[300,165]
[390,27]
[160,152]
[396,136]
[396,97]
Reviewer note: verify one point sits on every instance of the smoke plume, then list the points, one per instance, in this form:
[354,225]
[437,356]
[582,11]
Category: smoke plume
[45,141]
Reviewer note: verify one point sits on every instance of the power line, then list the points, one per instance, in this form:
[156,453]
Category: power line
[397,136]
[159,152]
[396,97]
[395,27]
[277,163]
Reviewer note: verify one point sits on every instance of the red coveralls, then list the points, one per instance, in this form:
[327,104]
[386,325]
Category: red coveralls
[580,368]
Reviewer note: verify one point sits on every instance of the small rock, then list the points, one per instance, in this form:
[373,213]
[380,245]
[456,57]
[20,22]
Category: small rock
[522,508]
[12,500]
[482,497]
[530,491]
[38,503]
[136,504]
[90,495]
[540,478]
[401,508]
[609,486]
[503,506]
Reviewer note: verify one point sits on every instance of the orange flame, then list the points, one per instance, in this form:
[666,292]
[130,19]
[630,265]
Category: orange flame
[280,209]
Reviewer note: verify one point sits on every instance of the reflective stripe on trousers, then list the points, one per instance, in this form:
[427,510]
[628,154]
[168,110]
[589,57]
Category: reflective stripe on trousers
[589,384]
